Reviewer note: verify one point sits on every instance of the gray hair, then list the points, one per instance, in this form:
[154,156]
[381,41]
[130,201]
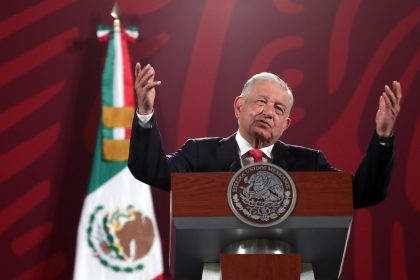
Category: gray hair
[270,77]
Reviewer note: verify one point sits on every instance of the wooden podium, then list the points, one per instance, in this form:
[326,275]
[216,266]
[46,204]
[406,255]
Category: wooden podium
[203,224]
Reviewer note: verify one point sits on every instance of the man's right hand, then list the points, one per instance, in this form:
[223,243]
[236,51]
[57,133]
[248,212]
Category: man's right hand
[144,86]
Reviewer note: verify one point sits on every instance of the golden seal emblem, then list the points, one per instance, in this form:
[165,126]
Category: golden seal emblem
[261,194]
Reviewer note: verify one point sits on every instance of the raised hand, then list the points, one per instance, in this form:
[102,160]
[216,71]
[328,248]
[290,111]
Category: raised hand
[144,85]
[389,107]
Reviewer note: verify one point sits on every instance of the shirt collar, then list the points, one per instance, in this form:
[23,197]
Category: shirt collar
[244,146]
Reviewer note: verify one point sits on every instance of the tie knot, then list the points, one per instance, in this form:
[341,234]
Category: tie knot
[257,155]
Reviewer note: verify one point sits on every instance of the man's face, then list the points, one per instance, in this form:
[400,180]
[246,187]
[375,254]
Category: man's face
[263,115]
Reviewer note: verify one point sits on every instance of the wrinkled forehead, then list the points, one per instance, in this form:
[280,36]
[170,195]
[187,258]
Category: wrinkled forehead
[270,89]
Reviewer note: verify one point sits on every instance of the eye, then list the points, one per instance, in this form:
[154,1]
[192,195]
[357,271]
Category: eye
[280,109]
[261,102]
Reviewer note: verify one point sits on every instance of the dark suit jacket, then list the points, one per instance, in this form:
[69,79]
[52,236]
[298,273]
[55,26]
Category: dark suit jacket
[149,163]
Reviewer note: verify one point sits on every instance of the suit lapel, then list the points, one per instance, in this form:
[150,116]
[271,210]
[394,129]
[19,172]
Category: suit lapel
[228,154]
[282,157]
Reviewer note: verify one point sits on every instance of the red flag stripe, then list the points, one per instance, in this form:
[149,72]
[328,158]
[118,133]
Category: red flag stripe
[128,76]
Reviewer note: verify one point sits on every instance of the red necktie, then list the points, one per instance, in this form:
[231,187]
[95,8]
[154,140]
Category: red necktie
[257,155]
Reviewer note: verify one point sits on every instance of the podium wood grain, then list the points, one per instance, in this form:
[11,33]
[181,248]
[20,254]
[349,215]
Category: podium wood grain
[318,194]
[260,266]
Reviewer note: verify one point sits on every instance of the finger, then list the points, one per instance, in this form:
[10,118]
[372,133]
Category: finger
[145,72]
[382,105]
[137,76]
[145,69]
[137,69]
[150,85]
[395,97]
[149,76]
[391,95]
[397,88]
[136,72]
[392,103]
[387,101]
[389,107]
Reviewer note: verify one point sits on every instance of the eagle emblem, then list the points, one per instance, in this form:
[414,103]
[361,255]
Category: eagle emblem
[261,194]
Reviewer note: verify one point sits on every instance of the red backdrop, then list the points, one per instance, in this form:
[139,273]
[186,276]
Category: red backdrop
[336,55]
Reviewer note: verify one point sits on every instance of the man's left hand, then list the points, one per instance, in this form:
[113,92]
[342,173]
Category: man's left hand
[389,107]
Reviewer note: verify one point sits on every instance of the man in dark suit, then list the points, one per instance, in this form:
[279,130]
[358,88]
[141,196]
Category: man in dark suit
[262,111]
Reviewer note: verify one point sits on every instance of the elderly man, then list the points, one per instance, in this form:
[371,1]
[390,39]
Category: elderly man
[263,111]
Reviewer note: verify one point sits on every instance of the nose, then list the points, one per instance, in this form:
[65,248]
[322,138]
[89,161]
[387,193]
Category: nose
[269,110]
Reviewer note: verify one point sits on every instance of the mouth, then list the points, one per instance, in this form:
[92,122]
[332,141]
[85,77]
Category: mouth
[263,123]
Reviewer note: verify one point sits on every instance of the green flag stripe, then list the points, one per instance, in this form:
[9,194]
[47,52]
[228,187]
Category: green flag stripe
[102,170]
[102,27]
[107,133]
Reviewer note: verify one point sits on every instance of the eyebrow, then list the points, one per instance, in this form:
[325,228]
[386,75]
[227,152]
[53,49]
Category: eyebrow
[263,95]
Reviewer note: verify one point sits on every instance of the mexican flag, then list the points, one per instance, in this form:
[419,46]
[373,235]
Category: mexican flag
[118,236]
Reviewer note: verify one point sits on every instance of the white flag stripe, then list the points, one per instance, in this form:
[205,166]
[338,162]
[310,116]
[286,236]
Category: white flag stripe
[101,33]
[118,70]
[118,133]
[132,33]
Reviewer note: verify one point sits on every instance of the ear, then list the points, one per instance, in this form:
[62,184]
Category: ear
[287,123]
[237,105]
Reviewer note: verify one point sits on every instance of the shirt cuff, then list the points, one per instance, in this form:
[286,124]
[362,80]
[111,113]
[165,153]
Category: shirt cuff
[145,121]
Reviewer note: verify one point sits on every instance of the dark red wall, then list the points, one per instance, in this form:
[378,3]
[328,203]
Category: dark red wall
[337,56]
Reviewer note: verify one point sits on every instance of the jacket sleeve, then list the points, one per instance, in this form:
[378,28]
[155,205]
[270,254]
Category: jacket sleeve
[148,161]
[370,183]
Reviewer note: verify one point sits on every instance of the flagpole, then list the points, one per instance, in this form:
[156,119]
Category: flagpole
[115,13]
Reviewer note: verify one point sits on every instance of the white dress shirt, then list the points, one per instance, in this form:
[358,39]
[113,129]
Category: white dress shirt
[144,120]
[245,147]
